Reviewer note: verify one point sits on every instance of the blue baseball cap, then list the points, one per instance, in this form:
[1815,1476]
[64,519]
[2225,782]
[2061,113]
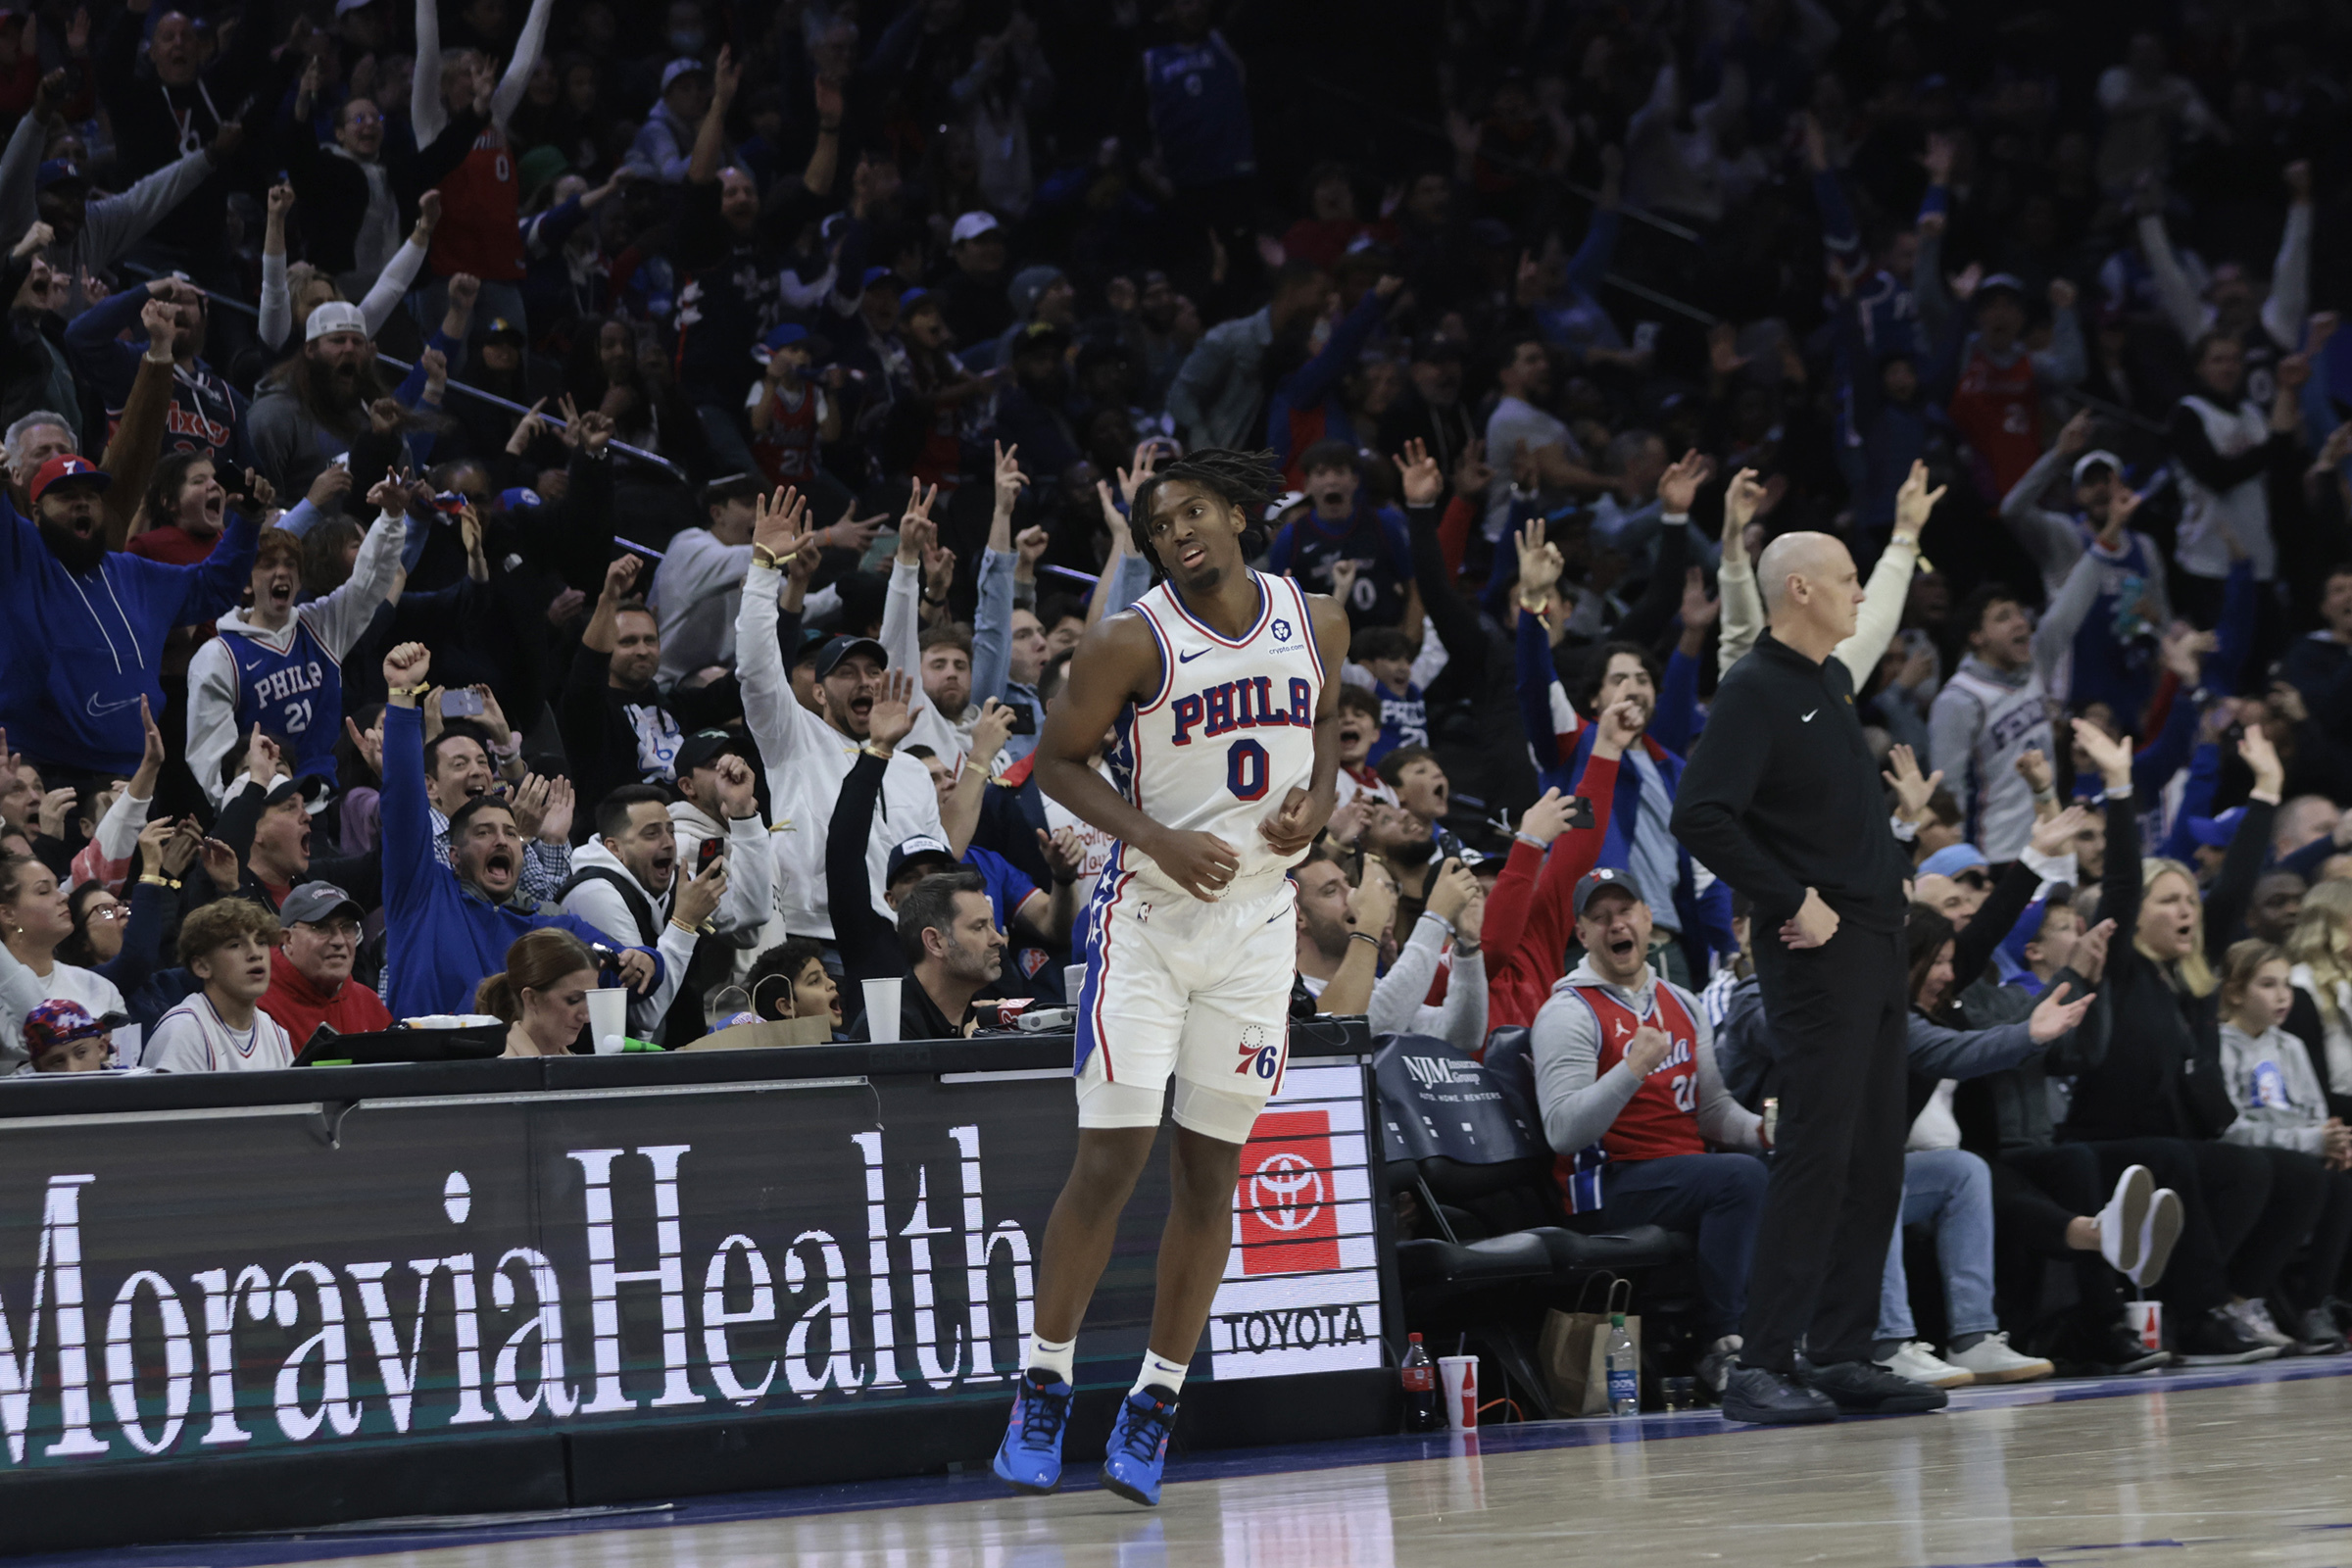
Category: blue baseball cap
[783,335]
[1952,860]
[875,276]
[519,497]
[60,172]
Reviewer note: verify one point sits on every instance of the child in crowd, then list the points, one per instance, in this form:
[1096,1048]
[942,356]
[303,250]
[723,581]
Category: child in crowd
[1360,748]
[225,945]
[1384,655]
[63,1037]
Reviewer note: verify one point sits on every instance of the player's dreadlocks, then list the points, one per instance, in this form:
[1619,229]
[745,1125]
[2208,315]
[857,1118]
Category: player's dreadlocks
[1245,480]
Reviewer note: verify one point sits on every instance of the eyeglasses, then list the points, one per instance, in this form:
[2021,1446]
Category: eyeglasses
[362,119]
[348,930]
[108,912]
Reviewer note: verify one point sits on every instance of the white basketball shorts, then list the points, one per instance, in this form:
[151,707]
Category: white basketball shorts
[1201,993]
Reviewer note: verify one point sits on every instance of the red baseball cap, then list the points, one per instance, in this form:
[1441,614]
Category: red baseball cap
[68,465]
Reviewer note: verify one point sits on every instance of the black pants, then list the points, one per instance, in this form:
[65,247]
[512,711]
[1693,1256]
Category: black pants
[1837,1016]
[2037,1194]
[2321,1271]
[2298,1193]
[2222,1190]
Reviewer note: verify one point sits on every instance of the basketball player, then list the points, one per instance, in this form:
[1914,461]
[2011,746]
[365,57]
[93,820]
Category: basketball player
[1223,771]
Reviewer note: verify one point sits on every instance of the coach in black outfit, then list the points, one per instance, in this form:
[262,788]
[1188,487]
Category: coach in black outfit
[1781,799]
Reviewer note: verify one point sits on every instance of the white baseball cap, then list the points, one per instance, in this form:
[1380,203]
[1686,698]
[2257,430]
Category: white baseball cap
[971,225]
[2097,460]
[335,316]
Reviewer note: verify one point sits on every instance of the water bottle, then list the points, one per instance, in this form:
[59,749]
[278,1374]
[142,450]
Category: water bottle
[1419,1375]
[1625,1369]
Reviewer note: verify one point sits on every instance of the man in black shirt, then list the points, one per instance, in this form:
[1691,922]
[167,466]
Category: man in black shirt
[947,929]
[1781,799]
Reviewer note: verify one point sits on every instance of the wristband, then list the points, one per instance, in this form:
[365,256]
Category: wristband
[1536,609]
[871,750]
[1363,936]
[406,691]
[690,930]
[1905,832]
[1464,949]
[1067,881]
[508,752]
[762,556]
[1432,915]
[152,879]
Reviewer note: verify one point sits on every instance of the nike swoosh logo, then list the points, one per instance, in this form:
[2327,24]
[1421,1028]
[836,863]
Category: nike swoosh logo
[1808,718]
[1186,658]
[99,709]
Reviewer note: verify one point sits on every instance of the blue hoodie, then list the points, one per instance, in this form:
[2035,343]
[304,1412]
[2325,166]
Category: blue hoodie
[445,938]
[82,649]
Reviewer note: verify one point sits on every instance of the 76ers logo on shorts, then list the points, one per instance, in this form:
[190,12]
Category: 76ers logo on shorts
[1286,1202]
[1259,1055]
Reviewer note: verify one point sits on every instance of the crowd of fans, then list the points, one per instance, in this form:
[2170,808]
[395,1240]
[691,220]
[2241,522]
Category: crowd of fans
[503,508]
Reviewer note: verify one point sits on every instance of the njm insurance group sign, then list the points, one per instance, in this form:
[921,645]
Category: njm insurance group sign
[177,1285]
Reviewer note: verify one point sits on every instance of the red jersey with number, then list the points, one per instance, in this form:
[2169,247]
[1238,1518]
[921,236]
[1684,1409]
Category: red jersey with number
[1662,1118]
[787,448]
[481,209]
[1997,409]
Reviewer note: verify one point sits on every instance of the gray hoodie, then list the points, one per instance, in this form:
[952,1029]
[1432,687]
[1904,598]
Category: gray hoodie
[1579,1105]
[2279,1099]
[110,226]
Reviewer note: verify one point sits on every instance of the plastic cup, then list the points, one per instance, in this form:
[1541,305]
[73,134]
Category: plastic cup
[609,1018]
[882,1012]
[2147,1321]
[1459,1375]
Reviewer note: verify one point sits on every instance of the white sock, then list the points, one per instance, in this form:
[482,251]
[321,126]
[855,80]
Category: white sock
[1047,1356]
[1161,1373]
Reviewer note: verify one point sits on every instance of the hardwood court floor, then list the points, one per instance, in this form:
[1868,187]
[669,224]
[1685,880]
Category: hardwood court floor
[2246,1467]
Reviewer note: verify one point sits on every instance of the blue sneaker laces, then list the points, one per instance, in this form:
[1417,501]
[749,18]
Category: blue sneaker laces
[1145,1433]
[1042,1413]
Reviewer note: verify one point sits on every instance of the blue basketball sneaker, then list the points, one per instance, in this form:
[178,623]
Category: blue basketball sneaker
[1139,1448]
[1029,1460]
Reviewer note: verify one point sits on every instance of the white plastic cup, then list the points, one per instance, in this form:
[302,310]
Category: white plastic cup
[1460,1381]
[608,1018]
[2147,1321]
[882,1012]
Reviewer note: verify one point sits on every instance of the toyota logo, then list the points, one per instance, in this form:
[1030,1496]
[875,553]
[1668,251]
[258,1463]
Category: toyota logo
[1285,1192]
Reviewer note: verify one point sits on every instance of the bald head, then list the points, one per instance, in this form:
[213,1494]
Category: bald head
[1811,591]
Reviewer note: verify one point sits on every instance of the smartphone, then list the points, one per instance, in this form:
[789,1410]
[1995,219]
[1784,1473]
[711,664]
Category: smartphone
[1024,720]
[463,702]
[1579,812]
[712,847]
[1645,338]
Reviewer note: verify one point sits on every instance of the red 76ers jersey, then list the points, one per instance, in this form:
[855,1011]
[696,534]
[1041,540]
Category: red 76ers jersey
[1231,730]
[1662,1117]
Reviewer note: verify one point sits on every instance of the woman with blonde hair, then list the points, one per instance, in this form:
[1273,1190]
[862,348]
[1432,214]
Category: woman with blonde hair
[541,993]
[2319,949]
[2159,1096]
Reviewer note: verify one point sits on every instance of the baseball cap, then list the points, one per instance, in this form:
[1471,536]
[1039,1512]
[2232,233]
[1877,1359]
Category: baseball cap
[1283,503]
[783,335]
[1607,877]
[314,901]
[2029,924]
[56,1023]
[1952,860]
[60,172]
[814,640]
[2097,460]
[69,466]
[971,225]
[682,68]
[310,786]
[922,847]
[829,658]
[499,327]
[2003,280]
[704,747]
[876,275]
[335,316]
[520,498]
[2216,832]
[912,297]
[1029,285]
[731,487]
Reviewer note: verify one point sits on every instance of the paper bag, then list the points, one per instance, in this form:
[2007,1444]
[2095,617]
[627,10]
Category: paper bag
[1573,1354]
[758,1036]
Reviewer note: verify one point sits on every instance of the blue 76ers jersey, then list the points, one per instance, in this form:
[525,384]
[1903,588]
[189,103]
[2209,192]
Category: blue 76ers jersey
[297,695]
[1231,730]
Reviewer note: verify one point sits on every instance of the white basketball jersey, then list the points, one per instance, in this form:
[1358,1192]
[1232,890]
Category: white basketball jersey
[1231,730]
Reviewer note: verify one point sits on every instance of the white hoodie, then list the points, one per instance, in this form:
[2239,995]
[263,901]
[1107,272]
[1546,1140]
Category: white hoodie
[743,907]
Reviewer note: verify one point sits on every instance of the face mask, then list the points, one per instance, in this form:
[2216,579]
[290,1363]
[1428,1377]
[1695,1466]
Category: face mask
[686,41]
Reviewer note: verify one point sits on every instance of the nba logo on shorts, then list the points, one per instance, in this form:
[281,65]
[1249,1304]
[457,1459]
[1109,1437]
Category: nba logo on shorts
[1290,1219]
